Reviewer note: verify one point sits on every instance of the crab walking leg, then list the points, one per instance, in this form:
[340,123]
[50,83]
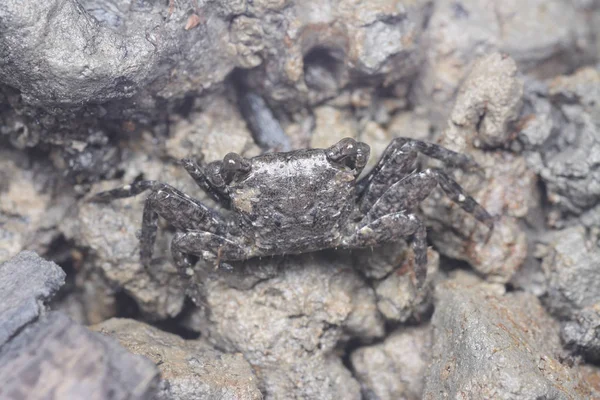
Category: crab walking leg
[390,228]
[398,160]
[183,212]
[412,190]
[209,246]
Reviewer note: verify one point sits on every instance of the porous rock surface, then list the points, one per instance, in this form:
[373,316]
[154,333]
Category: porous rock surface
[190,369]
[287,322]
[545,38]
[488,102]
[394,369]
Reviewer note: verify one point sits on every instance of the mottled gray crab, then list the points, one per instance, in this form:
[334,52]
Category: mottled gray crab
[301,201]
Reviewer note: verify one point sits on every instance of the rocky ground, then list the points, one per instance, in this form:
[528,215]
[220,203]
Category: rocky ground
[97,94]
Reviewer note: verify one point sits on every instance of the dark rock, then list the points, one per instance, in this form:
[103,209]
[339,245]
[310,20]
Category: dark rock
[582,334]
[57,358]
[26,282]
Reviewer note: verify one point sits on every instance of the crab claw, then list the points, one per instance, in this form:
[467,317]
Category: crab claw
[349,152]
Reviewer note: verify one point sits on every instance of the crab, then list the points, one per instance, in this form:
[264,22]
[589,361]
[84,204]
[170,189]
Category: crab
[301,201]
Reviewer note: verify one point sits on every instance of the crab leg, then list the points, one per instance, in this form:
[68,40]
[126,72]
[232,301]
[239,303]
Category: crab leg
[390,228]
[182,211]
[399,160]
[410,191]
[209,246]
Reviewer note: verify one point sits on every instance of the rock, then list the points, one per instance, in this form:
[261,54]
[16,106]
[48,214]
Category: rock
[571,269]
[33,201]
[394,369]
[109,231]
[57,358]
[496,346]
[591,375]
[507,190]
[504,186]
[398,299]
[582,334]
[211,134]
[567,163]
[26,283]
[288,322]
[460,32]
[487,102]
[332,125]
[190,369]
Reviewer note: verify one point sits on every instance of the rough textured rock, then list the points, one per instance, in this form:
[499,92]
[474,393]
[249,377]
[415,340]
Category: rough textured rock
[109,231]
[26,283]
[394,369]
[572,274]
[398,299]
[488,101]
[190,369]
[210,134]
[582,334]
[545,38]
[114,50]
[33,201]
[57,358]
[496,346]
[562,141]
[287,321]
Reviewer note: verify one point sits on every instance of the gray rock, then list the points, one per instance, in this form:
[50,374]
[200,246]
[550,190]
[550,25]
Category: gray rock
[287,323]
[460,32]
[496,346]
[33,201]
[398,299]
[562,140]
[582,334]
[26,283]
[572,274]
[190,369]
[134,56]
[591,376]
[58,359]
[394,369]
[487,102]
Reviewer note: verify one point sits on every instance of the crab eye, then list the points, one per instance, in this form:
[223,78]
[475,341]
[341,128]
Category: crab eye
[350,153]
[234,164]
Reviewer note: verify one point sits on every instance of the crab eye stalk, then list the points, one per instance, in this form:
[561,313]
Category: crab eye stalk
[350,153]
[234,165]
